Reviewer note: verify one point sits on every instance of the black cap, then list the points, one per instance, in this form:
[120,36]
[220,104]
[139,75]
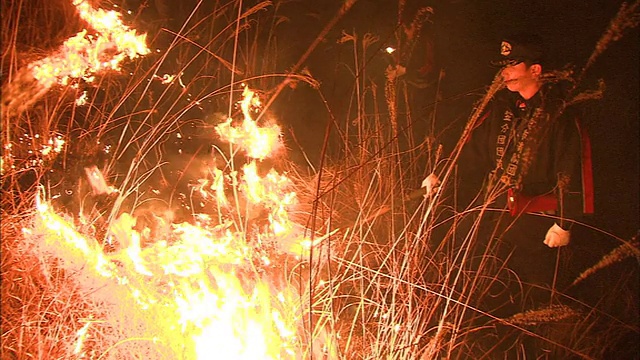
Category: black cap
[520,48]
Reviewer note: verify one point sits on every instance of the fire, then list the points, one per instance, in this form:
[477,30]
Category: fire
[80,57]
[203,290]
[84,54]
[271,191]
[82,334]
[257,142]
[190,289]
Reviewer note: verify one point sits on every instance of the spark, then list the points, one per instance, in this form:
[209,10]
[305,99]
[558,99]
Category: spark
[165,79]
[81,335]
[82,100]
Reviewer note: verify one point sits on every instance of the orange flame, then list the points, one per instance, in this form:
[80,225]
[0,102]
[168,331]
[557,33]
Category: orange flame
[83,55]
[197,290]
[257,142]
[272,191]
[190,290]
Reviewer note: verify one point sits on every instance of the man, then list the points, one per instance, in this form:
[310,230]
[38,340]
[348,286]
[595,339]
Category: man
[416,59]
[533,159]
[532,143]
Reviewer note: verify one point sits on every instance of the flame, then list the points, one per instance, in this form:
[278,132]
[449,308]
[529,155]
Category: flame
[82,99]
[84,54]
[272,191]
[97,181]
[165,79]
[203,290]
[81,336]
[190,289]
[257,142]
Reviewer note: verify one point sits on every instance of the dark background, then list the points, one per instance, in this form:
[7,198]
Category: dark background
[467,35]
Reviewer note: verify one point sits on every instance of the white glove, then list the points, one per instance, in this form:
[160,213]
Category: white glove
[431,183]
[557,237]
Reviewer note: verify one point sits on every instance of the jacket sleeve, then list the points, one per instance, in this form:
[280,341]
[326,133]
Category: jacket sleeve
[475,160]
[568,166]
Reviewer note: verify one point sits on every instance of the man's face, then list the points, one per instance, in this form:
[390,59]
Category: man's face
[520,77]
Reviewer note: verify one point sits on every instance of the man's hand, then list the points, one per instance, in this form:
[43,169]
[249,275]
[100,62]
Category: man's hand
[393,72]
[431,183]
[556,237]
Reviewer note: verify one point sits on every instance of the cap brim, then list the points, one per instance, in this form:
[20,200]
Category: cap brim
[504,62]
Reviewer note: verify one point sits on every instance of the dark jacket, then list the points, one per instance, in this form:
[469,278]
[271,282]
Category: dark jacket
[535,146]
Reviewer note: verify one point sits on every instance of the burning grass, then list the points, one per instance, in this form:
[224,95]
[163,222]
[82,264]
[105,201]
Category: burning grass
[122,240]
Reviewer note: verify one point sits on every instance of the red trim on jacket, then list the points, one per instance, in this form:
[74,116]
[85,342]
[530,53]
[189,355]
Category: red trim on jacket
[587,171]
[519,203]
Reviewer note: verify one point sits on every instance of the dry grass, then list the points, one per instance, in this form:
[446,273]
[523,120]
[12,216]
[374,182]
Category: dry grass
[549,314]
[622,252]
[391,278]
